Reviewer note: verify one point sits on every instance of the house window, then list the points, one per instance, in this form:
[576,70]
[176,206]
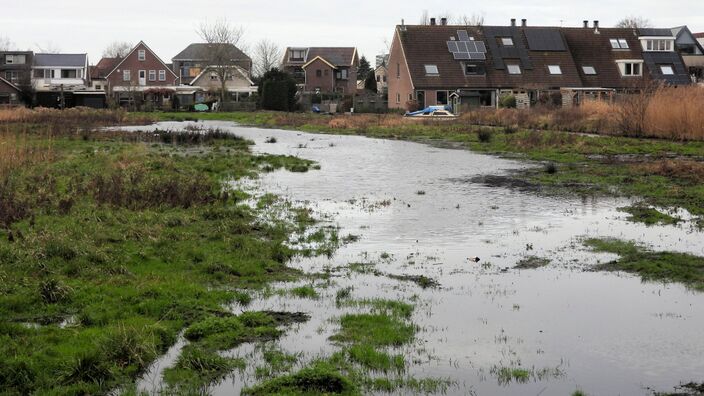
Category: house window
[441,97]
[98,87]
[126,75]
[659,45]
[555,69]
[142,55]
[410,97]
[513,69]
[162,75]
[12,76]
[398,70]
[318,73]
[213,77]
[432,70]
[589,70]
[15,59]
[472,69]
[384,79]
[326,72]
[506,41]
[378,78]
[398,98]
[296,55]
[667,70]
[343,74]
[619,43]
[68,73]
[631,68]
[152,75]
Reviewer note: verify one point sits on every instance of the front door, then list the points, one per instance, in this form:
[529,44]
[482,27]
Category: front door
[142,77]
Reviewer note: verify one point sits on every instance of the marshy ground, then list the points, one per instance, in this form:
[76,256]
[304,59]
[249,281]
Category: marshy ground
[292,263]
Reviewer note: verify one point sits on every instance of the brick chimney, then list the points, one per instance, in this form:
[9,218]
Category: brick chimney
[432,22]
[443,21]
[524,22]
[586,24]
[596,27]
[513,21]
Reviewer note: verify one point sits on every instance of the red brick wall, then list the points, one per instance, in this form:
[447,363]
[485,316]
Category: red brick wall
[326,82]
[134,65]
[399,78]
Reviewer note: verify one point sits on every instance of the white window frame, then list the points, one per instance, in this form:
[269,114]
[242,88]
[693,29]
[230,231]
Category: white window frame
[555,70]
[152,75]
[507,41]
[162,75]
[398,97]
[619,43]
[657,44]
[141,55]
[514,69]
[126,75]
[589,70]
[431,70]
[624,64]
[667,70]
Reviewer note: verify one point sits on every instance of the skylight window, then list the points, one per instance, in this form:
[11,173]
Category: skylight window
[507,41]
[619,43]
[667,70]
[589,70]
[555,69]
[432,70]
[513,69]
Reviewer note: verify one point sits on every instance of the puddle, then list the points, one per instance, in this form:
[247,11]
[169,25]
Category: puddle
[604,333]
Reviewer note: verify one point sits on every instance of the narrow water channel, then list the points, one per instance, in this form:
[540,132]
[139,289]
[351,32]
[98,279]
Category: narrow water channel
[604,333]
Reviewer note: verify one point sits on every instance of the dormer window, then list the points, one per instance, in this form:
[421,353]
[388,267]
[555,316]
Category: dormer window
[660,45]
[513,69]
[630,68]
[142,55]
[619,43]
[296,55]
[506,41]
[473,69]
[555,69]
[431,70]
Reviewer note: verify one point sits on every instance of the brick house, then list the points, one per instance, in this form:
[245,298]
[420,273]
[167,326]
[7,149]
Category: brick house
[474,66]
[139,77]
[323,69]
[194,59]
[9,93]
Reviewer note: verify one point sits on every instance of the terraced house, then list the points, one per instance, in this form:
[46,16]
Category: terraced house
[475,66]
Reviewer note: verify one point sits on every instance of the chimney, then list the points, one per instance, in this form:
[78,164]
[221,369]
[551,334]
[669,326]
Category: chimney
[586,24]
[443,21]
[524,22]
[513,21]
[432,22]
[596,27]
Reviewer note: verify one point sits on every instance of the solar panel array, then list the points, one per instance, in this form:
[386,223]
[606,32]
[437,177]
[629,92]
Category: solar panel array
[465,48]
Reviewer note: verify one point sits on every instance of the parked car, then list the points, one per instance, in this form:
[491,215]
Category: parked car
[439,112]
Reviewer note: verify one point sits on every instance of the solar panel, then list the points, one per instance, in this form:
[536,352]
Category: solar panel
[462,56]
[477,56]
[471,46]
[452,46]
[480,46]
[462,46]
[462,35]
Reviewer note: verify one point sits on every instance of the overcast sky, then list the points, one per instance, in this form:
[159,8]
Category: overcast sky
[78,26]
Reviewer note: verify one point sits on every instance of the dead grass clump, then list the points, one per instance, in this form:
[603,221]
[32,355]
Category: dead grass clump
[692,171]
[17,150]
[136,188]
[676,113]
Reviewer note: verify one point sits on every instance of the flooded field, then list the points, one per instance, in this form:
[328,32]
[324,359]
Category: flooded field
[412,209]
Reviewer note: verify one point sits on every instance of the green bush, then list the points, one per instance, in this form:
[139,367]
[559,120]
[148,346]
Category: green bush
[508,102]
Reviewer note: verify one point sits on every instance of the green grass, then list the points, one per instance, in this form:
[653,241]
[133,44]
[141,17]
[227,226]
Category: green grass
[319,378]
[649,216]
[374,329]
[375,360]
[305,292]
[132,242]
[532,262]
[652,266]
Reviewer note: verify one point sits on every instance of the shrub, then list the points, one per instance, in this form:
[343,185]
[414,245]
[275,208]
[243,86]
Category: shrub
[484,135]
[507,102]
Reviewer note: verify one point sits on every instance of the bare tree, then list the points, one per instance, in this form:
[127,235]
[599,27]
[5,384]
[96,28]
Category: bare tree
[634,22]
[6,44]
[48,48]
[267,55]
[424,18]
[221,37]
[470,20]
[117,49]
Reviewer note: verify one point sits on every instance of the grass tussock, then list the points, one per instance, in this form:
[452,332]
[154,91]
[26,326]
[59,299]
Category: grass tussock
[652,266]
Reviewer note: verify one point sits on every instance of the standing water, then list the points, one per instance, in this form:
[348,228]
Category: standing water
[416,212]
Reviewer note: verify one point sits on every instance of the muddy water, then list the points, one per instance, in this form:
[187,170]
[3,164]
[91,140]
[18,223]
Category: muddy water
[604,333]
